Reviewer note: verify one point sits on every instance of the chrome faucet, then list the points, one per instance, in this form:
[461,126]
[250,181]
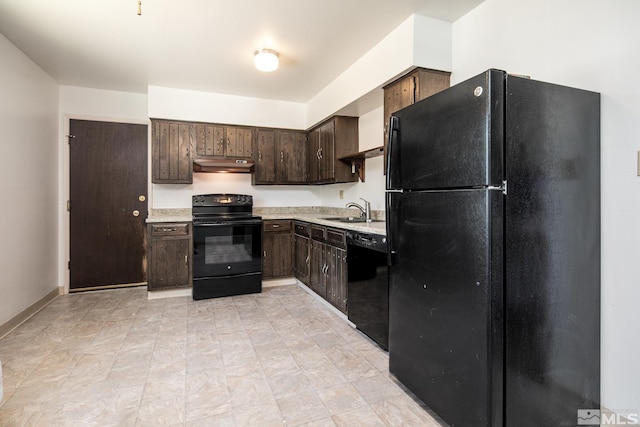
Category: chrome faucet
[365,213]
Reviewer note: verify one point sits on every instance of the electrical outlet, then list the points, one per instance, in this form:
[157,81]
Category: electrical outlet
[341,194]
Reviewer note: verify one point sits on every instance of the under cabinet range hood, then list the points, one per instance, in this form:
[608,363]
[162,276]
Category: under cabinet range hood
[223,165]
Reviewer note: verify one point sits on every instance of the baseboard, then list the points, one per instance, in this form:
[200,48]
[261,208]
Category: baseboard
[27,313]
[270,283]
[326,303]
[169,293]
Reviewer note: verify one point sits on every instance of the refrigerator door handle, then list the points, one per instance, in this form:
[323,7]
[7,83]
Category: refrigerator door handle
[394,126]
[502,188]
[391,250]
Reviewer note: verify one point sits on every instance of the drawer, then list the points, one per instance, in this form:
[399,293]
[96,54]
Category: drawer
[318,232]
[170,229]
[302,228]
[336,237]
[276,226]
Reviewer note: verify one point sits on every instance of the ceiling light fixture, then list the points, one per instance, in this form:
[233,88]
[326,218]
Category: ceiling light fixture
[266,60]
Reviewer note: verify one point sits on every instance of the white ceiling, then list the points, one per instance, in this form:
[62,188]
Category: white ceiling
[207,45]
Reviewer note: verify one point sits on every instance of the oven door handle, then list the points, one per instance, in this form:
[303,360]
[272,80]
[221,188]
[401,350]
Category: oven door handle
[226,223]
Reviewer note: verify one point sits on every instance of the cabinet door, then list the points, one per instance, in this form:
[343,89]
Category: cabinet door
[169,257]
[326,153]
[169,264]
[239,141]
[283,255]
[318,265]
[302,255]
[345,143]
[336,277]
[218,147]
[277,249]
[265,168]
[292,158]
[314,155]
[209,140]
[267,255]
[171,153]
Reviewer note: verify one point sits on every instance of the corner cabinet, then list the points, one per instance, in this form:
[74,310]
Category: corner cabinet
[169,255]
[171,156]
[409,89]
[328,142]
[277,249]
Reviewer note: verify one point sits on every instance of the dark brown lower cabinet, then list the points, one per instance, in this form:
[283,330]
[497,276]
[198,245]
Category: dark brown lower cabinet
[277,249]
[329,265]
[302,252]
[169,255]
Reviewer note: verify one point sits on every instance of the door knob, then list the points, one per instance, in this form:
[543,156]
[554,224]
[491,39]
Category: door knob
[136,213]
[142,198]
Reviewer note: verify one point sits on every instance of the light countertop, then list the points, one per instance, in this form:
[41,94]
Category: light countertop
[313,214]
[169,215]
[371,227]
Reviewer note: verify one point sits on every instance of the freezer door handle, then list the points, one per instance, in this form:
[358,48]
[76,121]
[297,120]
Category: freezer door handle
[391,257]
[392,168]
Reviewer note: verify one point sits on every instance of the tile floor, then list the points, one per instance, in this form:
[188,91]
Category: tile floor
[115,358]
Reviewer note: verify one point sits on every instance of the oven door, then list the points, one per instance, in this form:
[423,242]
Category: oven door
[227,248]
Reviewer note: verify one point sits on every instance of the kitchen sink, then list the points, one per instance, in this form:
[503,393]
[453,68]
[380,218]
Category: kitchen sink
[350,219]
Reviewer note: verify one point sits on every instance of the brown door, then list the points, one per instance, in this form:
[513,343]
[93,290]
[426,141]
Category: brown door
[108,195]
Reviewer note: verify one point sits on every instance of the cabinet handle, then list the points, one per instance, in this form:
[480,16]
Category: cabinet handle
[306,261]
[265,254]
[168,230]
[186,260]
[259,156]
[318,154]
[275,226]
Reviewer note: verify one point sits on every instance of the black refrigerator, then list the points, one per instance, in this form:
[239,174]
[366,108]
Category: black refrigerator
[493,213]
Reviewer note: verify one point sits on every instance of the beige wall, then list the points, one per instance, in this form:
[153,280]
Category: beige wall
[29,177]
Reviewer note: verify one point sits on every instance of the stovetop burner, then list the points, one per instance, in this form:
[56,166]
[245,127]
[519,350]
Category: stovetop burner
[213,208]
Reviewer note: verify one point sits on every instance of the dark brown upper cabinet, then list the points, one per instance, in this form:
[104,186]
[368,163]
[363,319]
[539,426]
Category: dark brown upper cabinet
[171,152]
[331,140]
[409,89]
[223,141]
[281,157]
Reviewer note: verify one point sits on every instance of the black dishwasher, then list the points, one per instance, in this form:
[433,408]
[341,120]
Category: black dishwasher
[368,287]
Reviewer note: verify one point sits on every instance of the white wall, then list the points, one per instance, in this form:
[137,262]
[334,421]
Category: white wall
[29,176]
[592,45]
[180,104]
[88,104]
[418,41]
